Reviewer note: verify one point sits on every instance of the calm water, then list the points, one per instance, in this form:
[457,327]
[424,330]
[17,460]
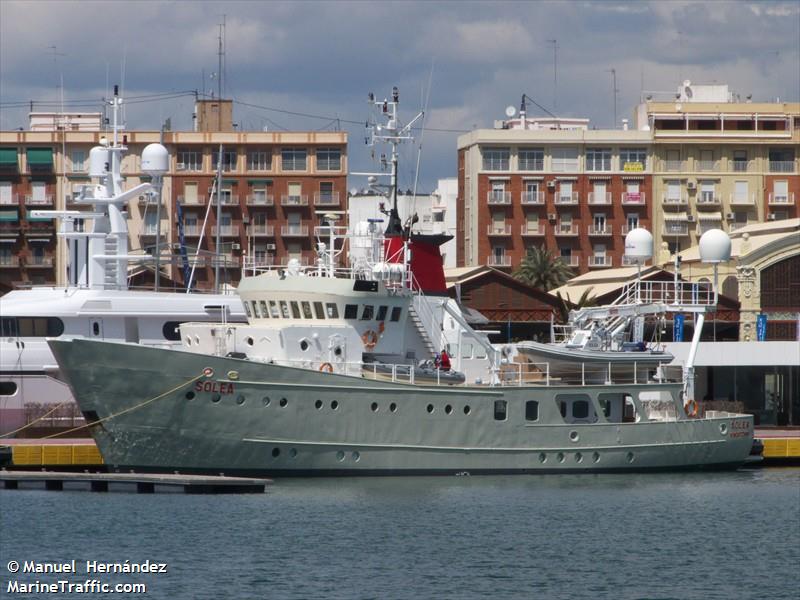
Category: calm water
[726,535]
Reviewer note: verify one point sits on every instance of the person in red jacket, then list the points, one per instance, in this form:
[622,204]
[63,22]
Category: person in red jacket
[444,361]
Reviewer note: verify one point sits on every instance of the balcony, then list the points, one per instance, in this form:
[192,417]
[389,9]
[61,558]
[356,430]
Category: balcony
[573,260]
[600,261]
[46,200]
[262,230]
[566,229]
[39,262]
[498,230]
[294,200]
[294,230]
[260,200]
[226,261]
[745,200]
[40,228]
[781,166]
[600,231]
[493,260]
[708,201]
[674,165]
[498,198]
[149,200]
[600,198]
[152,231]
[225,230]
[626,229]
[12,200]
[741,166]
[326,198]
[532,199]
[191,230]
[633,199]
[676,228]
[567,198]
[533,230]
[195,201]
[706,165]
[674,200]
[9,230]
[9,262]
[226,200]
[781,199]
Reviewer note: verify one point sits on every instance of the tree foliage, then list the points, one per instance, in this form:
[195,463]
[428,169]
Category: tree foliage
[542,270]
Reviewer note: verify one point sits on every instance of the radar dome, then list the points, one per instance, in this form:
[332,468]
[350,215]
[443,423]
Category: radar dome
[715,246]
[639,245]
[155,159]
[98,161]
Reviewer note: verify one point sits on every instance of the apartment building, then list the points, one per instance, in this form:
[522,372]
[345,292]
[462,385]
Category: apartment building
[699,161]
[274,186]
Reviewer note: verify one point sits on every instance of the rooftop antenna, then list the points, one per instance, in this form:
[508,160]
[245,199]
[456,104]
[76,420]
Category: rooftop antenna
[220,71]
[555,73]
[614,92]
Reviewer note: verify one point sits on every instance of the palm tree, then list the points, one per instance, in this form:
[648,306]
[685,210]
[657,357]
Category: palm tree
[542,270]
[565,304]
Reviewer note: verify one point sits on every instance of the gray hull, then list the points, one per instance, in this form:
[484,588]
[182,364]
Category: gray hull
[255,418]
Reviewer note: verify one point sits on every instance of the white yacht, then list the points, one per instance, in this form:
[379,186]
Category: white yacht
[96,303]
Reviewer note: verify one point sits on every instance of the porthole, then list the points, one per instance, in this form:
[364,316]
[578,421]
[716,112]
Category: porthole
[293,453]
[723,428]
[573,436]
[283,402]
[374,407]
[250,341]
[356,456]
[190,395]
[233,375]
[337,351]
[430,409]
[595,457]
[266,401]
[276,452]
[448,409]
[629,457]
[240,399]
[304,345]
[197,340]
[542,457]
[188,340]
[318,404]
[335,405]
[340,456]
[216,398]
[560,457]
[578,457]
[393,407]
[467,409]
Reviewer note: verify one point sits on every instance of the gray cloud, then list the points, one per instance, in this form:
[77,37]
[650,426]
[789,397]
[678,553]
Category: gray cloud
[323,57]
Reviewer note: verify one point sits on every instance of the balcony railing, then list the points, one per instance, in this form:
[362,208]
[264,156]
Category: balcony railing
[262,230]
[9,229]
[498,261]
[532,198]
[564,229]
[39,262]
[571,261]
[781,199]
[294,230]
[626,229]
[497,230]
[9,262]
[43,201]
[746,200]
[781,166]
[537,229]
[674,228]
[600,198]
[495,197]
[152,230]
[600,231]
[706,165]
[226,200]
[191,230]
[741,166]
[149,200]
[706,200]
[12,200]
[674,165]
[600,261]
[633,198]
[674,200]
[226,230]
[326,198]
[294,200]
[260,200]
[567,197]
[196,201]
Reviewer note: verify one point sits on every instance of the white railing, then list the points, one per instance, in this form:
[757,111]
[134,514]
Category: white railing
[294,230]
[629,198]
[600,261]
[294,200]
[260,200]
[676,228]
[196,201]
[226,200]
[225,230]
[9,262]
[567,197]
[303,261]
[152,230]
[493,229]
[747,200]
[191,230]
[532,198]
[706,165]
[708,200]
[43,262]
[496,197]
[674,165]
[781,166]
[498,261]
[566,229]
[43,201]
[781,199]
[12,200]
[667,292]
[571,261]
[674,200]
[538,229]
[602,230]
[740,166]
[599,198]
[326,198]
[262,230]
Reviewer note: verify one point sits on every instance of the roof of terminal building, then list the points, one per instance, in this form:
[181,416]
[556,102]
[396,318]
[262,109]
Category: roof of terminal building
[753,238]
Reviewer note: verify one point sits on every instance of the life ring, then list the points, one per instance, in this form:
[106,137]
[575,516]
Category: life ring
[326,368]
[691,408]
[370,338]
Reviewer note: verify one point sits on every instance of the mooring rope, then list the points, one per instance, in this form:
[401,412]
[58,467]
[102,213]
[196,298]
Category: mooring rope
[24,427]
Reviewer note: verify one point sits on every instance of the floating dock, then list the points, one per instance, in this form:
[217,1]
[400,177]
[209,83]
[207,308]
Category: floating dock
[141,483]
[781,446]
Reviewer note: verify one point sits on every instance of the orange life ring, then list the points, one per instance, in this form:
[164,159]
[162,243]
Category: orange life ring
[691,408]
[326,368]
[370,338]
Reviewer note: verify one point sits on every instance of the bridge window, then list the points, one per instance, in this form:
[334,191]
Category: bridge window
[284,309]
[333,312]
[306,310]
[367,312]
[295,310]
[351,311]
[264,311]
[319,311]
[500,410]
[273,309]
[531,410]
[382,310]
[396,312]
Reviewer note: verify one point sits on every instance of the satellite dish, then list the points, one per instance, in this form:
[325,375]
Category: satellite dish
[510,111]
[715,246]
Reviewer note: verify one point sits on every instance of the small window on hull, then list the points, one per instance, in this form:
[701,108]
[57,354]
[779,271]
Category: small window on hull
[531,410]
[500,409]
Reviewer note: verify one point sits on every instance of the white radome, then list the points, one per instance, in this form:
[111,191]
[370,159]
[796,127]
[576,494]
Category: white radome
[155,159]
[639,245]
[715,246]
[98,161]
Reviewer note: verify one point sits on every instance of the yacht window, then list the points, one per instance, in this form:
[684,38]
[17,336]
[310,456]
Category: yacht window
[96,328]
[396,312]
[295,310]
[8,388]
[284,309]
[466,350]
[256,311]
[629,414]
[273,309]
[531,410]
[264,311]
[562,407]
[170,331]
[500,407]
[333,312]
[382,310]
[580,409]
[31,326]
[319,312]
[366,314]
[480,351]
[247,309]
[351,311]
[306,310]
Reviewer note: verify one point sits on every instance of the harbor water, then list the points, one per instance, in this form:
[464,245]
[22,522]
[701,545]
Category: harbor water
[685,535]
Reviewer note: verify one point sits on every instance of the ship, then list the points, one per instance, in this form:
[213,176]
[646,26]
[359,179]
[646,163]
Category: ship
[323,380]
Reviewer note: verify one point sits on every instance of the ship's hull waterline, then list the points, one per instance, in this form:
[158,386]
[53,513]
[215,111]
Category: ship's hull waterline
[257,418]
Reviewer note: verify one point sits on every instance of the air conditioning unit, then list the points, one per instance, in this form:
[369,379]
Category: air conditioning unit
[730,216]
[551,185]
[771,217]
[270,246]
[236,246]
[691,185]
[691,218]
[552,217]
[181,166]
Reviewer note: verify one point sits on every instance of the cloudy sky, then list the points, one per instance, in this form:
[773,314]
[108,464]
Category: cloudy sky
[321,59]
